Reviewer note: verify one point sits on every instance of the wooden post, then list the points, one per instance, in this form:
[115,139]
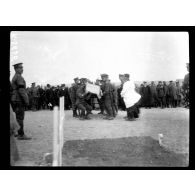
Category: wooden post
[58,135]
[61,134]
[55,137]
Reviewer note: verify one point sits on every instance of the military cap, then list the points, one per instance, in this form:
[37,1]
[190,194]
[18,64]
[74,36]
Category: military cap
[170,81]
[145,82]
[62,85]
[16,65]
[33,83]
[104,75]
[75,79]
[127,75]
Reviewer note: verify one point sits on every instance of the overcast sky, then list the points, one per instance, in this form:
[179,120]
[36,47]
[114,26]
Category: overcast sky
[58,57]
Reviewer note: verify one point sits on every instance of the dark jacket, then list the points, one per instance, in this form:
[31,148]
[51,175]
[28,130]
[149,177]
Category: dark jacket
[19,93]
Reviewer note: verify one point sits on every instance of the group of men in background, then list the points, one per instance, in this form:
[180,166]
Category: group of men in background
[163,94]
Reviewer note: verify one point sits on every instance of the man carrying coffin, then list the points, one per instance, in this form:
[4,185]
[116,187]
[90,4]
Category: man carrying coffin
[131,98]
[109,99]
[81,96]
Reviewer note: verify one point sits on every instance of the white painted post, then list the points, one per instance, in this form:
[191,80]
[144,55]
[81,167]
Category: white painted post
[62,120]
[55,137]
[58,135]
[61,134]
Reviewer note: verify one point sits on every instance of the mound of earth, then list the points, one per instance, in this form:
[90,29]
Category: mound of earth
[128,151]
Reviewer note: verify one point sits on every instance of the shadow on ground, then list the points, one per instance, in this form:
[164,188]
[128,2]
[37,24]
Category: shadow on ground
[128,151]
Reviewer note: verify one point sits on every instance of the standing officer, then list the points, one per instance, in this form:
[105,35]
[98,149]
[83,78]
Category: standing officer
[19,99]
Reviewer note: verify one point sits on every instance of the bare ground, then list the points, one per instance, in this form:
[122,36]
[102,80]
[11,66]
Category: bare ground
[99,142]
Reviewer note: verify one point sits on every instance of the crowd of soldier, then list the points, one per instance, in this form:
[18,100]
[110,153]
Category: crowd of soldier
[162,95]
[47,97]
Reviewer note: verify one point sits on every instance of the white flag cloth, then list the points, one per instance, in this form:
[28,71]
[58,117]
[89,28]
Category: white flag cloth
[130,96]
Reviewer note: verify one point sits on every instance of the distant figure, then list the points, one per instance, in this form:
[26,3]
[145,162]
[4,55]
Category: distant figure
[186,87]
[166,91]
[161,94]
[34,95]
[172,94]
[146,95]
[179,94]
[154,94]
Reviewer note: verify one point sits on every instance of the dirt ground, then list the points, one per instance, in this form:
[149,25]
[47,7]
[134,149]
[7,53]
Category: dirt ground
[99,142]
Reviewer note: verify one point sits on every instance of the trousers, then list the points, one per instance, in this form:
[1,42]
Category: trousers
[19,109]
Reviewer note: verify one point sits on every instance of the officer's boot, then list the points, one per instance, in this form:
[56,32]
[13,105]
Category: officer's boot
[21,135]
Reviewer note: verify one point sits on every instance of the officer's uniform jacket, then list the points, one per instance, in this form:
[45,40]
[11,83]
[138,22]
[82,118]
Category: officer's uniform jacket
[19,93]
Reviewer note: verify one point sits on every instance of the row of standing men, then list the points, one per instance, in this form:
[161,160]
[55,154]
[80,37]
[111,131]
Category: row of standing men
[160,95]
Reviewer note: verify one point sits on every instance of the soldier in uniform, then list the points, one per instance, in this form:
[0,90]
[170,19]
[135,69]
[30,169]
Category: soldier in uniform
[161,94]
[34,95]
[63,92]
[19,99]
[172,94]
[121,103]
[101,99]
[41,93]
[67,99]
[186,86]
[72,92]
[166,91]
[154,94]
[178,93]
[146,95]
[81,97]
[108,98]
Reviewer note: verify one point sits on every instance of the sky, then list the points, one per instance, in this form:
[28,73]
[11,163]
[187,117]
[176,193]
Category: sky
[58,57]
